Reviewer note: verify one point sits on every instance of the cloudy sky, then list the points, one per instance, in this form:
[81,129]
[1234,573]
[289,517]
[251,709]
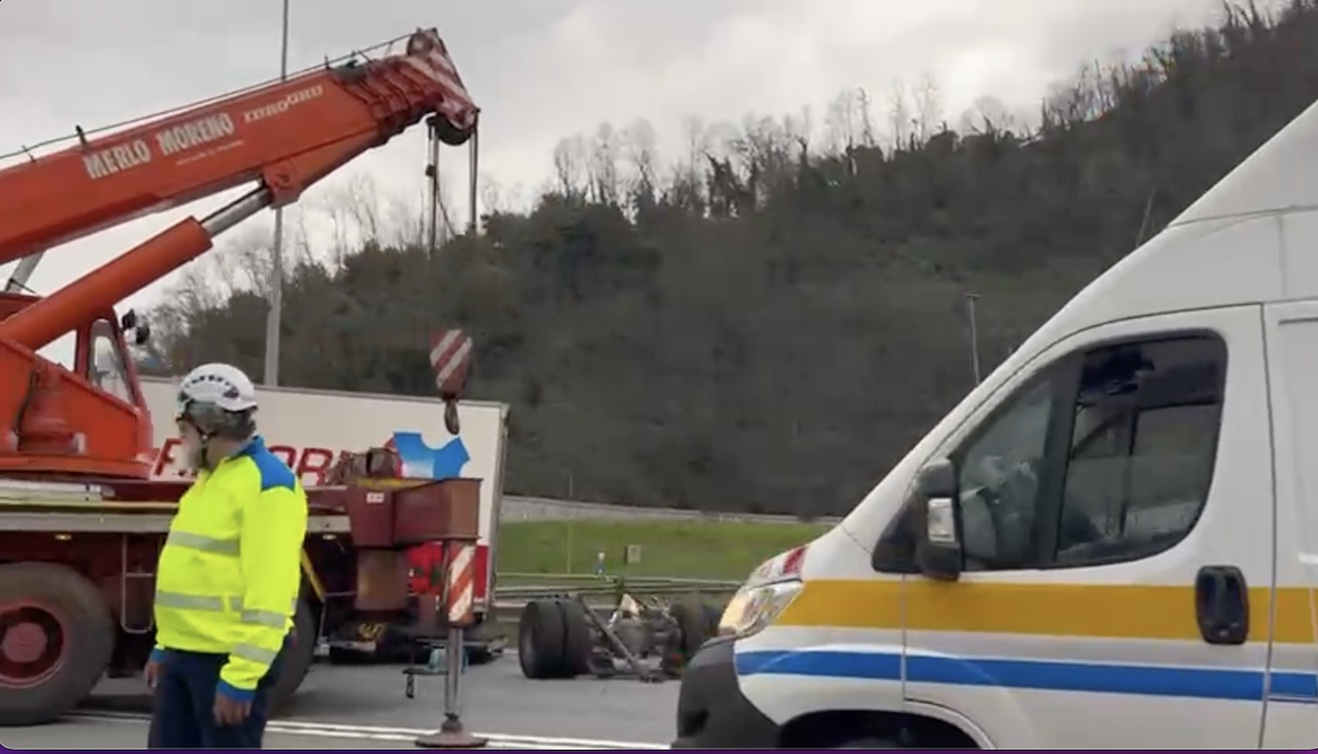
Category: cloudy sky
[540,70]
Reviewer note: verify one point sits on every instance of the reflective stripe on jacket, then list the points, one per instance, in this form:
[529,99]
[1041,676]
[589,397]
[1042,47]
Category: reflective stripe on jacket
[230,570]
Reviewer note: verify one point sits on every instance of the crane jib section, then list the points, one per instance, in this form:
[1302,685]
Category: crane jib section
[208,131]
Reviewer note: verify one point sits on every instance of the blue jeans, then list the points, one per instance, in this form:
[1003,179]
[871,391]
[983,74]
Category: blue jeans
[183,714]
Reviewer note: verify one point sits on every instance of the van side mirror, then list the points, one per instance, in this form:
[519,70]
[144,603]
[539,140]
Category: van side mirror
[939,553]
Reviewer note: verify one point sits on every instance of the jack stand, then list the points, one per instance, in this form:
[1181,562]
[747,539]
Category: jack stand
[451,734]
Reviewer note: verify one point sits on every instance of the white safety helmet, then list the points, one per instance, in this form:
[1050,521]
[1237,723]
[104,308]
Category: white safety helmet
[221,385]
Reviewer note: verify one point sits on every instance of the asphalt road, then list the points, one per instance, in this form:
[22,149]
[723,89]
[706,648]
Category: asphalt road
[119,732]
[365,708]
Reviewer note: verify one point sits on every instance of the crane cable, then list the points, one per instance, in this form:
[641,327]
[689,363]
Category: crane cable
[472,165]
[432,179]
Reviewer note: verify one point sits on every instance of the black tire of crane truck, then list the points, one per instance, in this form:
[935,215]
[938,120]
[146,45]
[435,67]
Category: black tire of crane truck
[540,640]
[297,662]
[57,639]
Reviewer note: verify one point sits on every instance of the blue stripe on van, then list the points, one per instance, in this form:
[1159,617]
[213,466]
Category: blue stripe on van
[1152,680]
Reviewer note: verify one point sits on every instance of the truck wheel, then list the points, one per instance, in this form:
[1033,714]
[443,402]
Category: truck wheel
[691,622]
[685,640]
[713,614]
[576,639]
[298,660]
[56,638]
[540,640]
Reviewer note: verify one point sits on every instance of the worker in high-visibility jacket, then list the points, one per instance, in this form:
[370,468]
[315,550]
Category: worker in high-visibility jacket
[228,580]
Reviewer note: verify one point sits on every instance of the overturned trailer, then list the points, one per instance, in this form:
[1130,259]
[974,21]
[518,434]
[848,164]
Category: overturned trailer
[644,636]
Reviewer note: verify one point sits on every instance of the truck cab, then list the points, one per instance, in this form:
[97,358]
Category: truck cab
[97,351]
[98,373]
[1109,543]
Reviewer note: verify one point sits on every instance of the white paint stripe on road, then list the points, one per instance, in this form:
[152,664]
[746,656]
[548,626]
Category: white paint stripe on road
[409,735]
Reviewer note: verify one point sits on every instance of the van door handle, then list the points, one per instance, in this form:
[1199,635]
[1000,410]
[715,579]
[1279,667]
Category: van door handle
[1221,600]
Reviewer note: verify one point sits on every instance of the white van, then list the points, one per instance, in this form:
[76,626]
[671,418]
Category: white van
[1110,543]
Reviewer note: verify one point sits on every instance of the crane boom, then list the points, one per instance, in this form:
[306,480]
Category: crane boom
[282,136]
[269,132]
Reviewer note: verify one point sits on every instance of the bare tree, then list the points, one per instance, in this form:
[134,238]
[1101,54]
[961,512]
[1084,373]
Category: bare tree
[863,103]
[899,116]
[570,167]
[639,148]
[840,126]
[799,130]
[493,198]
[687,185]
[1089,94]
[603,166]
[928,98]
[512,197]
[359,199]
[248,263]
[990,115]
[340,227]
[297,241]
[406,219]
[849,125]
[697,141]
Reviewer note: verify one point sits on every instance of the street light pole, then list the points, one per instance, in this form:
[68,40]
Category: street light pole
[273,318]
[971,298]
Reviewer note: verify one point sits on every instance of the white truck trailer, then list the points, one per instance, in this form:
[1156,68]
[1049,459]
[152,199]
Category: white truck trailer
[309,428]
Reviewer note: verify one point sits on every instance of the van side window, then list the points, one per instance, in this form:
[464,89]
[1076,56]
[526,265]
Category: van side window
[1143,441]
[999,481]
[1113,446]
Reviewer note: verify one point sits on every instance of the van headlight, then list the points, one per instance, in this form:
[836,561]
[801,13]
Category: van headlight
[753,608]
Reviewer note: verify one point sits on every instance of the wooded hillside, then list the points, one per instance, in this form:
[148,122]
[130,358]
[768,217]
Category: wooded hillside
[769,320]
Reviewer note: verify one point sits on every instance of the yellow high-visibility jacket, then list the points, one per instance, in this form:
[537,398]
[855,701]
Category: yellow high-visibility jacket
[230,571]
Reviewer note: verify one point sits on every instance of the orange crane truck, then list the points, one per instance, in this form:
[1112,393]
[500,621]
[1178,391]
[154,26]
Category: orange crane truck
[81,521]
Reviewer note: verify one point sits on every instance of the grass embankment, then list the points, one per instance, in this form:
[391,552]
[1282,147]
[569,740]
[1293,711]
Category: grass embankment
[677,549]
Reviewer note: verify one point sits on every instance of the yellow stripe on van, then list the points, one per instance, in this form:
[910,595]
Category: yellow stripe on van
[1044,609]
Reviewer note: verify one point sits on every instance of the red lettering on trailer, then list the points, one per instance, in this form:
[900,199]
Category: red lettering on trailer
[314,461]
[310,464]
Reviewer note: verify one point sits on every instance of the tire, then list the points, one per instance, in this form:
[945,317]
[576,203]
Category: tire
[71,618]
[691,621]
[540,634]
[672,659]
[576,639]
[713,614]
[683,643]
[298,662]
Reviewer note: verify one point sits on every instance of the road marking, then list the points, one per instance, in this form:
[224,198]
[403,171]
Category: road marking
[409,735]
